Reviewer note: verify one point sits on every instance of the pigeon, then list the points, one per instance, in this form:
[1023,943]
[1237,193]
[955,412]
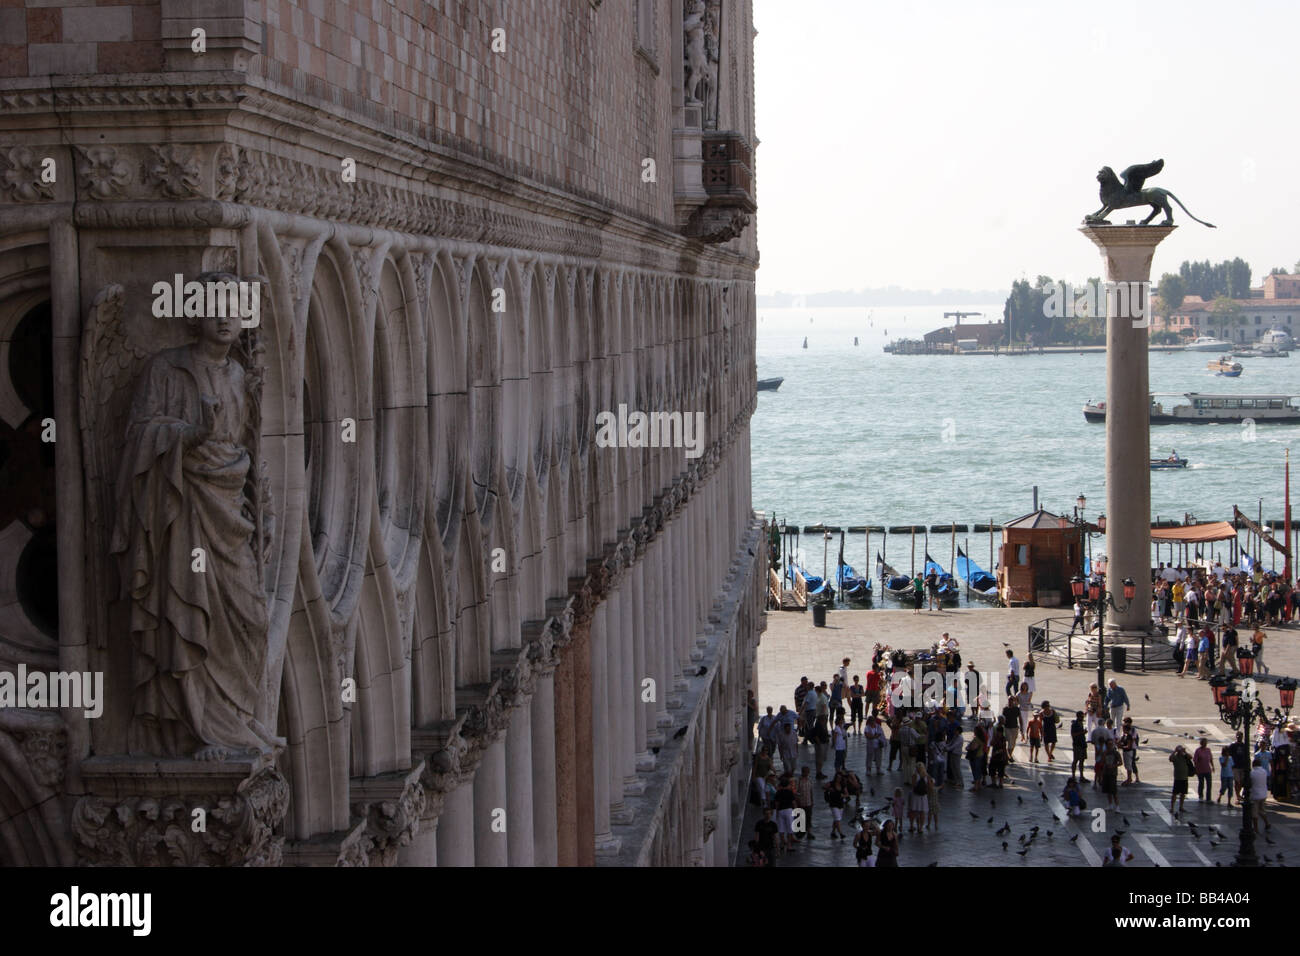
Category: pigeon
[1004,846]
[1049,834]
[1147,741]
[873,791]
[1033,830]
[1145,814]
[1019,799]
[1022,852]
[1214,843]
[681,733]
[1203,733]
[973,816]
[1022,838]
[1126,823]
[654,750]
[1055,818]
[1040,783]
[1120,832]
[701,672]
[935,863]
[1156,721]
[1075,838]
[993,803]
[990,821]
[1147,696]
[1044,796]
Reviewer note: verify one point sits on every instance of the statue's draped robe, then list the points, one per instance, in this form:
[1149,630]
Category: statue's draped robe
[199,637]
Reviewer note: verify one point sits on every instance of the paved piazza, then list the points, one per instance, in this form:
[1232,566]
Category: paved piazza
[1166,708]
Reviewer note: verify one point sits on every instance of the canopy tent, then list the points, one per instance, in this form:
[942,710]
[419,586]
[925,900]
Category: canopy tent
[1196,533]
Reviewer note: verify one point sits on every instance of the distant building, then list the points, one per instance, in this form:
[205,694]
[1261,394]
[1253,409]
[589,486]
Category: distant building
[984,335]
[1276,303]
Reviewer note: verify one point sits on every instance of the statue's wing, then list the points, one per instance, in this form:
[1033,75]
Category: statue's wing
[110,366]
[1135,176]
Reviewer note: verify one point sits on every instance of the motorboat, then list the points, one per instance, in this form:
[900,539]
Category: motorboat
[1201,408]
[1223,365]
[1173,461]
[1208,343]
[770,384]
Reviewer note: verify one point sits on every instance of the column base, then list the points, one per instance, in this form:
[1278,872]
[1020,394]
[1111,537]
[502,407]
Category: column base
[634,784]
[645,762]
[621,815]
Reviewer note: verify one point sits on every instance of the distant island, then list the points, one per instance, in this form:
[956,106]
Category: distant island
[890,295]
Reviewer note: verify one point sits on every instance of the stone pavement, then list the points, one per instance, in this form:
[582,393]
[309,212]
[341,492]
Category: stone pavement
[1167,710]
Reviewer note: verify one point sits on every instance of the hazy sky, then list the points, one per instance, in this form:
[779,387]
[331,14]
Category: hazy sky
[951,144]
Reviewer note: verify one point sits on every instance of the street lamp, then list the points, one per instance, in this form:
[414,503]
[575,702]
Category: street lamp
[1101,599]
[1242,711]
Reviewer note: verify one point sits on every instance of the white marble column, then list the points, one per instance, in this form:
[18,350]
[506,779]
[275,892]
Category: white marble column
[545,839]
[642,658]
[1127,252]
[490,846]
[519,786]
[456,827]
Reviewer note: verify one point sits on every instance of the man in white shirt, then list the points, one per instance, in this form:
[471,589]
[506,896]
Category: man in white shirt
[1219,571]
[1013,672]
[766,730]
[1168,573]
[1259,793]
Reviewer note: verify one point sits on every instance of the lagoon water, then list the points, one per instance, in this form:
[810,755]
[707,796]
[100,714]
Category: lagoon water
[856,436]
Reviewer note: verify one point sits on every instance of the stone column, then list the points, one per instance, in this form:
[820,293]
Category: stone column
[605,842]
[615,698]
[423,848]
[642,667]
[489,803]
[456,828]
[584,756]
[566,763]
[1126,252]
[545,767]
[519,789]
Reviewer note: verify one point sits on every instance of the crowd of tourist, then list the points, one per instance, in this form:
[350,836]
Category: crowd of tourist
[801,765]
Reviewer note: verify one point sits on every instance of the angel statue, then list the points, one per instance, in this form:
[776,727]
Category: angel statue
[190,534]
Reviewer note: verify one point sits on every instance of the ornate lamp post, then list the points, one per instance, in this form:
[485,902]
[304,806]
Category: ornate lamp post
[1101,599]
[1242,712]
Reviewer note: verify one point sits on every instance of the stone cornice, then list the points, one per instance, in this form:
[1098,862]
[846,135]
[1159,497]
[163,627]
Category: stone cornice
[405,169]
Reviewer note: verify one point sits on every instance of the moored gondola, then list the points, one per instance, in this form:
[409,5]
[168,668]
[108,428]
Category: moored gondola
[982,584]
[895,585]
[948,593]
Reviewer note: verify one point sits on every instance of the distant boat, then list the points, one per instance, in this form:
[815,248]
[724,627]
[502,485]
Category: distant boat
[1277,337]
[948,593]
[805,341]
[1173,461]
[1201,408]
[855,340]
[1208,343]
[1271,351]
[1224,366]
[770,384]
[1246,352]
[982,584]
[897,586]
[853,587]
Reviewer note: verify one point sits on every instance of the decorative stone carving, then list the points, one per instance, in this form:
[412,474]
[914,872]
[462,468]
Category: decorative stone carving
[160,829]
[227,171]
[46,752]
[392,807]
[173,171]
[20,175]
[190,477]
[100,173]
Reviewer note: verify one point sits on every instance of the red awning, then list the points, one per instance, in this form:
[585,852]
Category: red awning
[1196,533]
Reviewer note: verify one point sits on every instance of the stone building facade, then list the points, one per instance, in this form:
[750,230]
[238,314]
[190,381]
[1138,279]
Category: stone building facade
[368,530]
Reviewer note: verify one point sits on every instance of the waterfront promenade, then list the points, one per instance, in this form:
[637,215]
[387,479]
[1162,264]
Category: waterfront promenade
[1166,709]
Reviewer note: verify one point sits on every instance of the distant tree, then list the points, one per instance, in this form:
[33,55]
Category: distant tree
[1238,278]
[1172,293]
[1277,271]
